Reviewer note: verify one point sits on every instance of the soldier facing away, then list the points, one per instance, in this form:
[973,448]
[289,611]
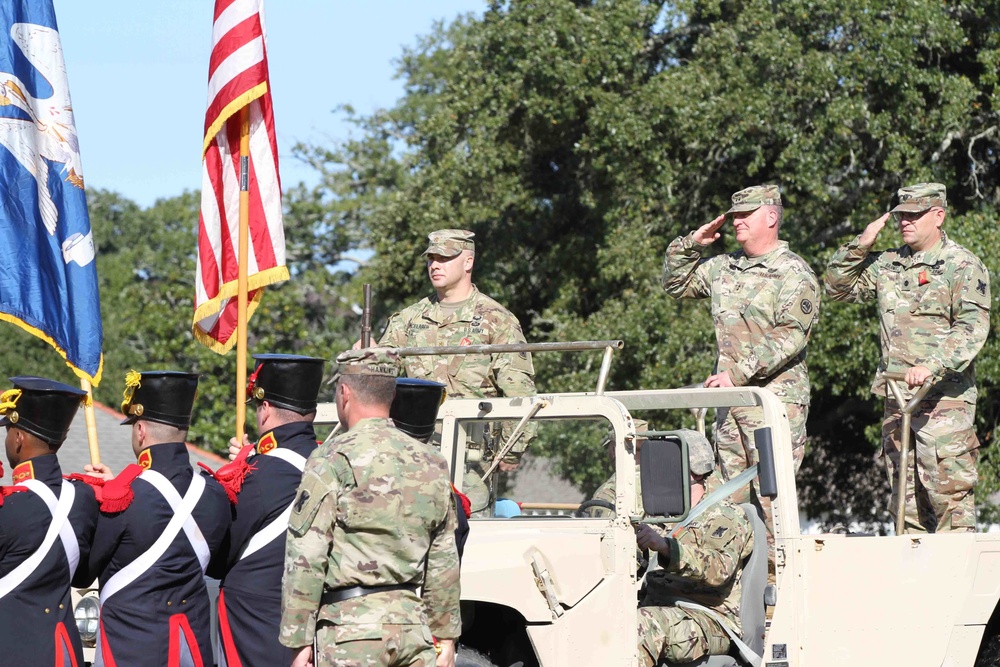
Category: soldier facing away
[703,563]
[459,314]
[160,523]
[765,301]
[934,315]
[373,522]
[262,483]
[36,613]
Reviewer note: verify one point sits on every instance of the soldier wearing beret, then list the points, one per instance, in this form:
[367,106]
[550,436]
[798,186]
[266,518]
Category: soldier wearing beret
[459,314]
[701,562]
[934,310]
[765,301]
[36,613]
[160,523]
[351,584]
[261,483]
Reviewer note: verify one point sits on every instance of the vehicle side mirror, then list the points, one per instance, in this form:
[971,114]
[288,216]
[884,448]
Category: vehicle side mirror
[663,473]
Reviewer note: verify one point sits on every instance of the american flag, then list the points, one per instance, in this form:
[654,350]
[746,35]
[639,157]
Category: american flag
[237,78]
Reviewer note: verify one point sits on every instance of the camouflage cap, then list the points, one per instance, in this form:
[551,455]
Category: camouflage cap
[450,242]
[752,198]
[701,456]
[368,361]
[920,197]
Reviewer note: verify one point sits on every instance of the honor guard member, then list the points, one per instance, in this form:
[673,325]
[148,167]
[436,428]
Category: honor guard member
[160,524]
[46,527]
[700,563]
[934,310]
[414,412]
[371,570]
[283,388]
[765,301]
[459,314]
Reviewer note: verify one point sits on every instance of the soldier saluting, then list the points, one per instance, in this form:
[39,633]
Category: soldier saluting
[160,523]
[934,311]
[46,527]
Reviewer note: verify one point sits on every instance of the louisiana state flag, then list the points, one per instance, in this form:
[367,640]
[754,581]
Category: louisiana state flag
[48,277]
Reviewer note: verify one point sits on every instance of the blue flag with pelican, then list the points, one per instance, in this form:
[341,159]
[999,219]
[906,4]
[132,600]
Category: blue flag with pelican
[48,273]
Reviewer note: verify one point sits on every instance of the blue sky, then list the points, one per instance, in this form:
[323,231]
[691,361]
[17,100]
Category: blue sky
[138,74]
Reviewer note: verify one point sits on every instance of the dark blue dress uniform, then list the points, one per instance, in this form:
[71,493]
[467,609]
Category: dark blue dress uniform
[36,617]
[250,598]
[39,560]
[160,523]
[163,616]
[251,562]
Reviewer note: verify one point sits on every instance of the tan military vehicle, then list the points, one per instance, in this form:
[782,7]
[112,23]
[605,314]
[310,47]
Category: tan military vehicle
[558,590]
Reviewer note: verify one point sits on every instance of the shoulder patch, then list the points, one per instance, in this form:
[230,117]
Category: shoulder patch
[806,306]
[307,501]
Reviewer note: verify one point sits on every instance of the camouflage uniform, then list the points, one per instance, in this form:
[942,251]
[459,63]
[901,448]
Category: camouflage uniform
[934,310]
[764,309]
[706,564]
[479,320]
[374,509]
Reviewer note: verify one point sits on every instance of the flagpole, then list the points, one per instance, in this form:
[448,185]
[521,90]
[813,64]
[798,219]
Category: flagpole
[88,413]
[241,326]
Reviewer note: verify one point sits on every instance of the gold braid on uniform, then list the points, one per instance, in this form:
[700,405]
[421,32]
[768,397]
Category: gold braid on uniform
[132,382]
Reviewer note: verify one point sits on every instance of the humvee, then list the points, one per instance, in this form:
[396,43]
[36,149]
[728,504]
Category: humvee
[558,590]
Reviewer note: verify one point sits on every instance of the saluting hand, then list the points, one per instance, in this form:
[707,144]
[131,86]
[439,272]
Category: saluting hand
[98,470]
[235,447]
[867,238]
[709,233]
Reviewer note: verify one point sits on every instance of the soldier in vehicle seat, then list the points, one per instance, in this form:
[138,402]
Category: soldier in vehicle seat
[699,563]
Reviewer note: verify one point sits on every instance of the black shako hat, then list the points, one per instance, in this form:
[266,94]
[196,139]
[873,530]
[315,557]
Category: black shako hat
[415,407]
[160,396]
[42,407]
[288,381]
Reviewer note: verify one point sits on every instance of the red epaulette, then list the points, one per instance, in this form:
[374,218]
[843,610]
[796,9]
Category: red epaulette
[464,499]
[96,483]
[9,490]
[232,475]
[117,494]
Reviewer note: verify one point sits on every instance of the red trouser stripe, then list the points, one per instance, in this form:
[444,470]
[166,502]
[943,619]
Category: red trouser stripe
[226,632]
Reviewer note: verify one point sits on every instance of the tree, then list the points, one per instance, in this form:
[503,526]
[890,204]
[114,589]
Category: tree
[578,138]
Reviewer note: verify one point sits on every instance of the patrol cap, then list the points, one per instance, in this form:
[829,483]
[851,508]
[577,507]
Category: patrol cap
[921,197]
[752,198]
[42,407]
[415,407]
[288,381]
[368,361]
[450,242]
[166,397]
[701,456]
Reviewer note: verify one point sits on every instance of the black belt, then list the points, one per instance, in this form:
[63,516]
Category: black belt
[333,595]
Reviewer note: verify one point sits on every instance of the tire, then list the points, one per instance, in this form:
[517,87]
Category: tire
[989,650]
[467,657]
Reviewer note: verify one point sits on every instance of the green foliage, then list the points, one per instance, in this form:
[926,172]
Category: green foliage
[578,138]
[146,268]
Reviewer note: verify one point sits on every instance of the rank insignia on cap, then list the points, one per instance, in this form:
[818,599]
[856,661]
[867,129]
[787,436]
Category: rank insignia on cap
[266,444]
[145,459]
[23,472]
